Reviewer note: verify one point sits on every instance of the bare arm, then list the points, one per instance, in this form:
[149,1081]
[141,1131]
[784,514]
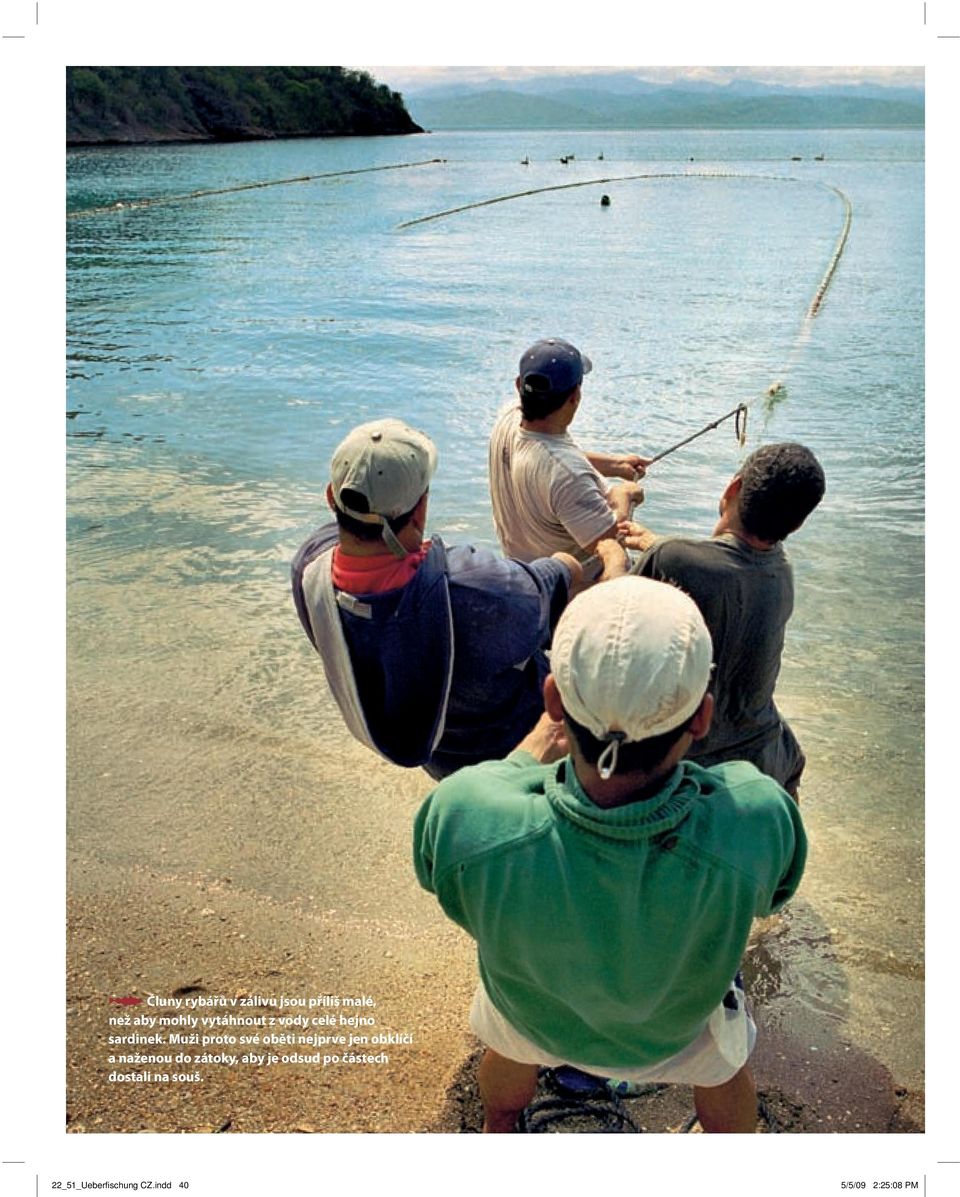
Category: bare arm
[593,548]
[612,559]
[575,568]
[629,466]
[624,498]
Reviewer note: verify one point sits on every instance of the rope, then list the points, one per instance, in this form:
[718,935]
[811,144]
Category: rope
[127,205]
[740,411]
[611,1117]
[686,174]
[502,199]
[575,1095]
[828,277]
[741,408]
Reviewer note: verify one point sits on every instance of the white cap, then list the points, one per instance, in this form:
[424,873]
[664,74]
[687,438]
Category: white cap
[390,465]
[632,660]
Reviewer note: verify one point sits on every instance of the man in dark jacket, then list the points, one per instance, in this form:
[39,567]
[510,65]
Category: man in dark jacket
[433,654]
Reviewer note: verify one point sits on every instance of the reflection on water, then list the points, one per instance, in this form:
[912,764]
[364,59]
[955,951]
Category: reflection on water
[791,958]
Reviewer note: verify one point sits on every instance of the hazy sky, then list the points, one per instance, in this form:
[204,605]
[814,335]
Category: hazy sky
[412,77]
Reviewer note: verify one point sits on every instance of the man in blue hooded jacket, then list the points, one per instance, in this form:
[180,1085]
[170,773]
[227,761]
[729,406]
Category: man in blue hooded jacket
[433,654]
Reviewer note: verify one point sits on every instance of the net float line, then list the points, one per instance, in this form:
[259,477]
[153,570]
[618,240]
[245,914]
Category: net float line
[776,388]
[128,205]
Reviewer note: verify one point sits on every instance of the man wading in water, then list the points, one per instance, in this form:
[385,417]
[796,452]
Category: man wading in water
[741,580]
[548,494]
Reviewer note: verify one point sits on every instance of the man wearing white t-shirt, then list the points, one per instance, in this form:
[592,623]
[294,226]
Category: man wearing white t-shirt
[548,494]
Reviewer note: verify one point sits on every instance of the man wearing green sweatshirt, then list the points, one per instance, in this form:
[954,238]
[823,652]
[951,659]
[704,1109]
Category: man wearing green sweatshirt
[610,884]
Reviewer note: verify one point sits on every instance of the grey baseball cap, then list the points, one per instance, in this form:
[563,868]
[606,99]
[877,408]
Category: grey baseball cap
[388,466]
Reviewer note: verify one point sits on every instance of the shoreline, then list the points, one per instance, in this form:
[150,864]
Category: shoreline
[239,138]
[170,932]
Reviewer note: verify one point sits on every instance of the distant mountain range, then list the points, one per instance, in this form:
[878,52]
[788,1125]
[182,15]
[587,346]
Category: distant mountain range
[624,101]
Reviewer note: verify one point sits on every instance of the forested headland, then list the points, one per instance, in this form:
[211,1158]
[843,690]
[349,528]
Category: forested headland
[128,105]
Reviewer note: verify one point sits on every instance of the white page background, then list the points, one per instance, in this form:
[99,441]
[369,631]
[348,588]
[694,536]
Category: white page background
[39,41]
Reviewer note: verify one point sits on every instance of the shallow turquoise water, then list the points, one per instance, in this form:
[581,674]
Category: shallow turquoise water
[218,349]
[237,337]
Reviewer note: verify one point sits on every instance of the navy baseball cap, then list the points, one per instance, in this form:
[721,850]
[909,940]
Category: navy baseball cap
[552,366]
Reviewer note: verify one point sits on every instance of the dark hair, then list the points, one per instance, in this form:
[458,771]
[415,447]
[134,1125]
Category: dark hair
[781,486]
[368,532]
[541,401]
[643,756]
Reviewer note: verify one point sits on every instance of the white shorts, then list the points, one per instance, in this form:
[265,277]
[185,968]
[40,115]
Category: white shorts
[715,1056]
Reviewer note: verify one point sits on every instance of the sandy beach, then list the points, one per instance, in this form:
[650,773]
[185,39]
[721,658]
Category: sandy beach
[366,928]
